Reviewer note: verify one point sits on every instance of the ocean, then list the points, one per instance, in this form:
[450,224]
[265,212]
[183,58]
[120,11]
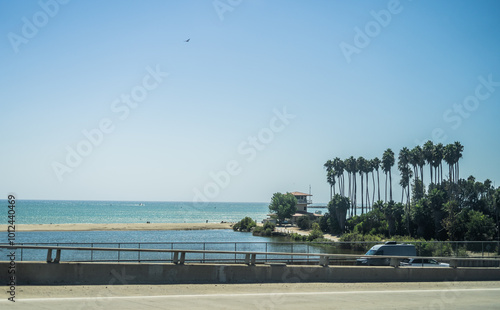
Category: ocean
[97,212]
[72,211]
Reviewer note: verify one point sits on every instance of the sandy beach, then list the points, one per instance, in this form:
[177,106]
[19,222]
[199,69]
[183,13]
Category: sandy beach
[128,226]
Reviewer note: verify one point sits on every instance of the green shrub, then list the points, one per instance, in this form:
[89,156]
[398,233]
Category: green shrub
[323,223]
[304,222]
[265,231]
[351,241]
[298,237]
[269,225]
[245,224]
[258,230]
[316,233]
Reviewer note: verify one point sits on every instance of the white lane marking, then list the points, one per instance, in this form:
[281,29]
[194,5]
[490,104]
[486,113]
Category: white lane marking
[257,294]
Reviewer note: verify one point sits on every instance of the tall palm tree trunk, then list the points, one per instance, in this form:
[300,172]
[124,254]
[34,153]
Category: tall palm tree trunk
[386,186]
[362,197]
[373,191]
[390,185]
[378,184]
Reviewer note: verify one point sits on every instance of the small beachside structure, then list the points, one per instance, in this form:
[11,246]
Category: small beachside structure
[302,201]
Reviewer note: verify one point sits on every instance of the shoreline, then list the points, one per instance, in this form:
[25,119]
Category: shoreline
[118,226]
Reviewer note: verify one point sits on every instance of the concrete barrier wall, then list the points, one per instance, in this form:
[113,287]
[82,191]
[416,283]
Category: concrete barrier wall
[38,273]
[469,262]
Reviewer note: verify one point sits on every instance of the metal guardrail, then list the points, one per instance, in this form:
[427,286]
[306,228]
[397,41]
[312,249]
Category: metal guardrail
[447,249]
[95,255]
[250,256]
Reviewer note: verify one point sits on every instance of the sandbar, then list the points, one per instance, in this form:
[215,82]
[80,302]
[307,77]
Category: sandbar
[126,226]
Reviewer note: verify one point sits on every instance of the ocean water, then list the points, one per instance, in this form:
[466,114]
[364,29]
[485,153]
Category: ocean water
[69,211]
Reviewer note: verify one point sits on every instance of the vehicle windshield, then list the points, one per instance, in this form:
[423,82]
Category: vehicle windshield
[371,252]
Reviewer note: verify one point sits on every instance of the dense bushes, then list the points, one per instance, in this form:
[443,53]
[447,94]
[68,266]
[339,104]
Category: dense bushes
[359,242]
[245,224]
[265,231]
[315,235]
[304,222]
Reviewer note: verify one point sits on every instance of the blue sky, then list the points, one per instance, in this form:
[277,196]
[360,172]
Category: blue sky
[277,71]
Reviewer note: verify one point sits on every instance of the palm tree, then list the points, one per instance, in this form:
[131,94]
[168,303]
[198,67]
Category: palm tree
[338,167]
[437,159]
[376,166]
[350,167]
[387,163]
[347,168]
[404,158]
[449,158]
[428,154]
[413,159]
[406,173]
[368,169]
[421,164]
[361,165]
[459,148]
[330,176]
[418,162]
[372,171]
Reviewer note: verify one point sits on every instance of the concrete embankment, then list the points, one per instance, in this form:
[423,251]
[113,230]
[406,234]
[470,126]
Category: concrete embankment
[68,273]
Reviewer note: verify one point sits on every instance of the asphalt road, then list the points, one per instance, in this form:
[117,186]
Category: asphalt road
[303,296]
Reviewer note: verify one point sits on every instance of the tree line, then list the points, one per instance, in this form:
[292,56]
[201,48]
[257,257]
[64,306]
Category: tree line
[449,208]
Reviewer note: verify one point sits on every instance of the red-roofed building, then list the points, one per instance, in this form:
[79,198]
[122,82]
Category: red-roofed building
[302,201]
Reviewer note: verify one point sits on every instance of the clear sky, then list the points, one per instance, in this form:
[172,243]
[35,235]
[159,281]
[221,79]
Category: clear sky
[106,100]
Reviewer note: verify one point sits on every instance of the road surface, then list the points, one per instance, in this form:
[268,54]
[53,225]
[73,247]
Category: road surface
[290,296]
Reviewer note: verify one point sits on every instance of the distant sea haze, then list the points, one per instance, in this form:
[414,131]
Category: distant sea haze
[72,211]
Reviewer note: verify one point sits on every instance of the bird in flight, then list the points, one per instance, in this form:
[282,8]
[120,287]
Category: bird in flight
[187,40]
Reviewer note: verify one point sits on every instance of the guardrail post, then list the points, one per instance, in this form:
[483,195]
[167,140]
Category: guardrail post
[58,256]
[324,261]
[49,256]
[453,263]
[183,257]
[395,262]
[176,258]
[250,259]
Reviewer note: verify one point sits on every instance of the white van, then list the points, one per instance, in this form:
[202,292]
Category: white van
[390,248]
